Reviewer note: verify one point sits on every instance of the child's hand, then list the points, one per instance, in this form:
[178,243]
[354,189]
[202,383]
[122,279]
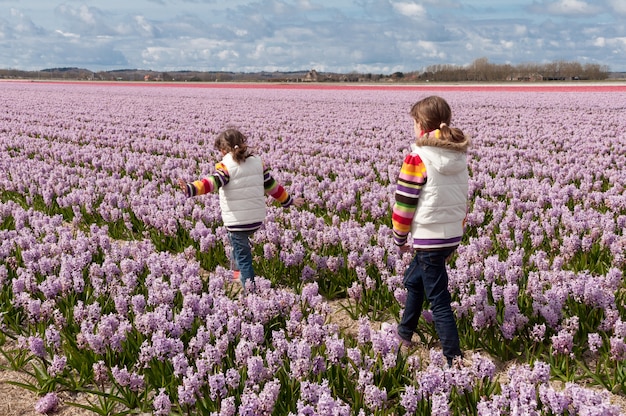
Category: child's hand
[405,248]
[298,202]
[182,185]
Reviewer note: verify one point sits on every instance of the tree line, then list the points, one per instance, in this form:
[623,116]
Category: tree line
[480,70]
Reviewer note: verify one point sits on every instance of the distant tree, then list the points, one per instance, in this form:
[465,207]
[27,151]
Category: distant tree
[595,71]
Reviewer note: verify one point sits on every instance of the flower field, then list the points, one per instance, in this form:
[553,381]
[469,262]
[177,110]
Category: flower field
[113,283]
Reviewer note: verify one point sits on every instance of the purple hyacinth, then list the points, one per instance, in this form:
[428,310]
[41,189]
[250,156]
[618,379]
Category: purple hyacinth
[409,399]
[162,404]
[375,397]
[47,404]
[57,366]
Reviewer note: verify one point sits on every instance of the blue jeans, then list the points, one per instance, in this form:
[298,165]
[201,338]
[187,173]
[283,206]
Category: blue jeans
[241,254]
[427,275]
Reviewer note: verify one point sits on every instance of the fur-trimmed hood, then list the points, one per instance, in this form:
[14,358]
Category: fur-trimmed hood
[447,157]
[433,138]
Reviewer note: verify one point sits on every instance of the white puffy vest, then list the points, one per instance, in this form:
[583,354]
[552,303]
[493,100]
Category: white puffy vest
[242,199]
[442,203]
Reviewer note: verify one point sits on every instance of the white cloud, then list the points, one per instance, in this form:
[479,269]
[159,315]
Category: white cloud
[259,51]
[22,24]
[144,26]
[555,44]
[356,56]
[67,34]
[571,8]
[412,10]
[202,43]
[507,44]
[617,44]
[159,55]
[520,30]
[83,20]
[123,29]
[618,6]
[305,5]
[430,49]
[82,14]
[86,16]
[227,54]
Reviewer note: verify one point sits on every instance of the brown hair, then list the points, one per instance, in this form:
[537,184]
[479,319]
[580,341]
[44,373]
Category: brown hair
[434,113]
[233,141]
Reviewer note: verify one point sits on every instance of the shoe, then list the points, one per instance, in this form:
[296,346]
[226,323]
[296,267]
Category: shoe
[405,342]
[459,361]
[236,275]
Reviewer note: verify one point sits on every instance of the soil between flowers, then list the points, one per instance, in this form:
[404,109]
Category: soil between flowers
[17,401]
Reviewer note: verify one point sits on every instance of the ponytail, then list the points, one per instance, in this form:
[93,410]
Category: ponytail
[451,134]
[234,142]
[240,152]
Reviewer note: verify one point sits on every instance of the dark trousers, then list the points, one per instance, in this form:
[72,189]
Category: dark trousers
[427,276]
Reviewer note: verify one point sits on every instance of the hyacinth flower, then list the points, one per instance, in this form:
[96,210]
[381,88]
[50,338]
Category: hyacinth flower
[47,404]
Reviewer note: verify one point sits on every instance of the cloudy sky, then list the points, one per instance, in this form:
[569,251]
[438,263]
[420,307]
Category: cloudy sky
[377,36]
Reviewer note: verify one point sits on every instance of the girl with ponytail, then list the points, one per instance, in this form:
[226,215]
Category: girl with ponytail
[243,181]
[428,218]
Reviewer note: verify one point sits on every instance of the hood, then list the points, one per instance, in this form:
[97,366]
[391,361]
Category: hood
[446,157]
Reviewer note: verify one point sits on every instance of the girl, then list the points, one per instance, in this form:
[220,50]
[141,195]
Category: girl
[431,205]
[243,181]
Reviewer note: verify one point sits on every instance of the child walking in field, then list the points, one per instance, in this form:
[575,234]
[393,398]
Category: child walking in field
[242,180]
[430,207]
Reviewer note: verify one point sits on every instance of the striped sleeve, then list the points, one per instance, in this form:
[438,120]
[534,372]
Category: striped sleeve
[211,183]
[274,189]
[410,181]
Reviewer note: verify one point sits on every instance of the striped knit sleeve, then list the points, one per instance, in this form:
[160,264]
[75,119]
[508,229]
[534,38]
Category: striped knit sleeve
[211,183]
[410,181]
[274,189]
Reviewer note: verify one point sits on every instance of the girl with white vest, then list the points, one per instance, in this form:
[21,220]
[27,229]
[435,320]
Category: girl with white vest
[430,208]
[242,180]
